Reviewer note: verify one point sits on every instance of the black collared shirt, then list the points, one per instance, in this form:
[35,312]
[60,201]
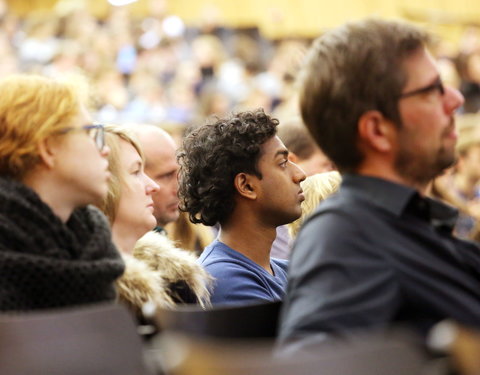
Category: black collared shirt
[378,253]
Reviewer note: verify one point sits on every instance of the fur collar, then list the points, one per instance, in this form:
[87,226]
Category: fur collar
[155,265]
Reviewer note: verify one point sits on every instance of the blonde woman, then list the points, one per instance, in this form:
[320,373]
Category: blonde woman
[55,249]
[156,271]
[316,188]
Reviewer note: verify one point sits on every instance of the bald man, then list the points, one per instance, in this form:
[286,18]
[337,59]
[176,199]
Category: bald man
[161,166]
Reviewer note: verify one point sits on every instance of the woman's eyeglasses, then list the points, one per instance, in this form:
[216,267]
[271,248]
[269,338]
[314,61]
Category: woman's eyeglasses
[95,131]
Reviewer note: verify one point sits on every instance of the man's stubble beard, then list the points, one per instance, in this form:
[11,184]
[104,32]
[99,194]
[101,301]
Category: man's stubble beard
[420,169]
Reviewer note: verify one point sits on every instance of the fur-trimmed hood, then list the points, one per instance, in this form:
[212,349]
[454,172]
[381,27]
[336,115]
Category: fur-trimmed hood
[154,270]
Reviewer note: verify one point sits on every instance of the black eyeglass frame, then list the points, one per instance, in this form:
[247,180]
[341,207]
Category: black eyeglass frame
[98,136]
[437,85]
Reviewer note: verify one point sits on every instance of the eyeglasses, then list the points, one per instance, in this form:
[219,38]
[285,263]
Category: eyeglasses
[437,85]
[95,131]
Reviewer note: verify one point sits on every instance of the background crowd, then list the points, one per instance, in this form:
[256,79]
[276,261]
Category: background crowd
[156,69]
[153,69]
[154,82]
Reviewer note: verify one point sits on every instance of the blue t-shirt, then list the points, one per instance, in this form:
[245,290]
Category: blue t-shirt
[238,279]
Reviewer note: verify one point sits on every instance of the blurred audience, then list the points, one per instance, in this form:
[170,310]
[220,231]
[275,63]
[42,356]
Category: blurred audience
[144,70]
[459,185]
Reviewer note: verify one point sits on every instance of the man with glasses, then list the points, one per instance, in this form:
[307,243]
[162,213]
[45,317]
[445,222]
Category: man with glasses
[380,252]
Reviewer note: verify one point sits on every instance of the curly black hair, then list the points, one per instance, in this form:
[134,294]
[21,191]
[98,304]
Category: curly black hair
[210,158]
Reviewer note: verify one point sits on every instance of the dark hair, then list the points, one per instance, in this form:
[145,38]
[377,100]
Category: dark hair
[210,158]
[296,137]
[349,71]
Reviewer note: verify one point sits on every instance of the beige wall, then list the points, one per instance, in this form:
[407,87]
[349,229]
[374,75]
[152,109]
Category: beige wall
[280,18]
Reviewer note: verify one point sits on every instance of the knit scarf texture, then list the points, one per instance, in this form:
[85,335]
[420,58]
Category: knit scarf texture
[45,263]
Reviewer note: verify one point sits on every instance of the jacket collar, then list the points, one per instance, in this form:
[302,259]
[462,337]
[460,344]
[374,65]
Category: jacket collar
[399,199]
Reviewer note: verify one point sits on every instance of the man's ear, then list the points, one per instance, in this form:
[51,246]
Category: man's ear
[375,131]
[245,185]
[47,152]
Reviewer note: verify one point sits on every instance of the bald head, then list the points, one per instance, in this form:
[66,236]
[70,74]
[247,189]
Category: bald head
[161,166]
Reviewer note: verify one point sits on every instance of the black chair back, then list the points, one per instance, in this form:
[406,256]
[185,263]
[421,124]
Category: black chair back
[256,320]
[95,340]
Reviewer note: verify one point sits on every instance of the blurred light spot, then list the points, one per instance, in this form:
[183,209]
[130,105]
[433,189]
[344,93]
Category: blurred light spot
[119,3]
[173,26]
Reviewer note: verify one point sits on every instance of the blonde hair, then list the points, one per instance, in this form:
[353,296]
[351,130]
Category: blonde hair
[32,109]
[113,135]
[189,236]
[316,188]
[468,125]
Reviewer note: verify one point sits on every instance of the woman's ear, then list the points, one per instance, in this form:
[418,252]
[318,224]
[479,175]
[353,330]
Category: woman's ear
[47,151]
[245,185]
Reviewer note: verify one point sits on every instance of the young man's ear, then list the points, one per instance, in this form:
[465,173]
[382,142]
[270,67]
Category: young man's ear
[47,152]
[375,131]
[245,185]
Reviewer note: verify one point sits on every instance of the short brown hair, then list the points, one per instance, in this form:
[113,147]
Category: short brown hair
[349,71]
[296,137]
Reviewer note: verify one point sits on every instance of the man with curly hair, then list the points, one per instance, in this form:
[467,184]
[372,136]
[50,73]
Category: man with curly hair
[236,172]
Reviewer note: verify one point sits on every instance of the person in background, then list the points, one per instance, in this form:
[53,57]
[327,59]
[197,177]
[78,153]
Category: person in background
[236,172]
[460,185]
[161,166]
[156,271]
[55,248]
[302,148]
[316,188]
[190,236]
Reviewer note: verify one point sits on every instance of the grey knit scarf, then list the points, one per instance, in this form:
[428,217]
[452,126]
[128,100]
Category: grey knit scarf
[45,263]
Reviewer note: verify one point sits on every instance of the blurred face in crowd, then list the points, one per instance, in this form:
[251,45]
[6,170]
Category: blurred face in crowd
[469,163]
[318,162]
[427,136]
[135,207]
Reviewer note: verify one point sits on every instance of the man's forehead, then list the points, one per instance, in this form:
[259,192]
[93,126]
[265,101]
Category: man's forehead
[420,69]
[162,164]
[273,147]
